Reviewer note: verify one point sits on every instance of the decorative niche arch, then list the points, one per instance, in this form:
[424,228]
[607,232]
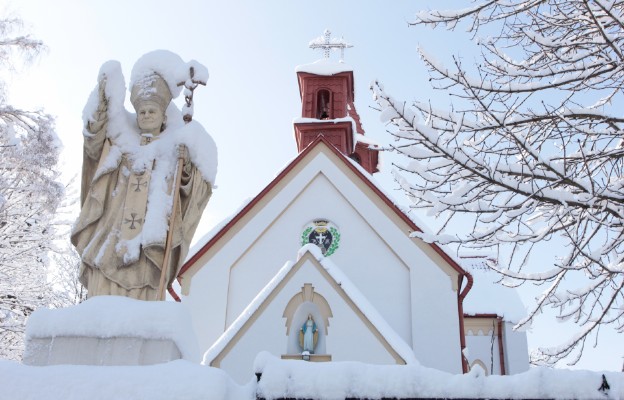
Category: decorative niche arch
[307,302]
[481,364]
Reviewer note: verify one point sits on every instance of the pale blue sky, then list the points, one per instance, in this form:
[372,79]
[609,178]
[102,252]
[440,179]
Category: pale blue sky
[251,49]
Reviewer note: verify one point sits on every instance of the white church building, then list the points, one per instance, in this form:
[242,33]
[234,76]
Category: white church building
[320,265]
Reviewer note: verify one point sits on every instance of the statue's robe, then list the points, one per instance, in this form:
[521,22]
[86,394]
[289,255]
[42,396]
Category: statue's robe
[110,264]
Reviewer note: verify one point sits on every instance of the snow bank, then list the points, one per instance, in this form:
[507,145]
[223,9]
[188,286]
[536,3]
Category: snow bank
[175,380]
[340,380]
[116,316]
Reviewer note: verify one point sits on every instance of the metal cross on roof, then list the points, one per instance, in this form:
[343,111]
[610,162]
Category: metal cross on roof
[326,43]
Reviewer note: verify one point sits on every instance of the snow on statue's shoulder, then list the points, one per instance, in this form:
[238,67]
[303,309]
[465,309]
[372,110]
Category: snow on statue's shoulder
[116,316]
[325,67]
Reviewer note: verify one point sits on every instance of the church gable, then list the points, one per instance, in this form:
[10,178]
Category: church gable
[312,288]
[412,284]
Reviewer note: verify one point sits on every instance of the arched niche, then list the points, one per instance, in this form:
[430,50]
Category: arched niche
[307,302]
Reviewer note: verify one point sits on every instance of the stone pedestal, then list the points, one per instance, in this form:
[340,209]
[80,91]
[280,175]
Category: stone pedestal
[111,330]
[81,350]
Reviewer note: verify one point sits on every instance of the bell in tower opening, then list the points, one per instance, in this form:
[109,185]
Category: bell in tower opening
[322,104]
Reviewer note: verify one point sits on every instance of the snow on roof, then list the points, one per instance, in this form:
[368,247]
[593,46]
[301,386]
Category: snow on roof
[393,339]
[283,379]
[488,296]
[324,67]
[116,316]
[174,380]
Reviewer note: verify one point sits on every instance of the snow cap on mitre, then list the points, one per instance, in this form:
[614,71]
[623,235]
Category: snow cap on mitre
[151,88]
[154,78]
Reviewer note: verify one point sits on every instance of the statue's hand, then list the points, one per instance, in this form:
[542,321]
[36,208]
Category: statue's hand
[103,101]
[100,116]
[183,154]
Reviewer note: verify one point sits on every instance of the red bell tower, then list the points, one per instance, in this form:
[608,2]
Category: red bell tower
[327,108]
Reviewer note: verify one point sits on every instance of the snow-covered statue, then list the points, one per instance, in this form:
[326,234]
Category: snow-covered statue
[144,175]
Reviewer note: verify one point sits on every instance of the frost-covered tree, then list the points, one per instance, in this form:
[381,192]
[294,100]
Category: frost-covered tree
[531,151]
[29,196]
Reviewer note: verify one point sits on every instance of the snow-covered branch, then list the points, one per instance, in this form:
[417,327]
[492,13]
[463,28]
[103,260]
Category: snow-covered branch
[30,194]
[531,151]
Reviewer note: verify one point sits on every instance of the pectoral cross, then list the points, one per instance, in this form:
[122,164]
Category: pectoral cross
[138,184]
[133,221]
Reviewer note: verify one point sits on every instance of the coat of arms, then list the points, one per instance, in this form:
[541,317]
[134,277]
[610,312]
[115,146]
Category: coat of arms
[322,233]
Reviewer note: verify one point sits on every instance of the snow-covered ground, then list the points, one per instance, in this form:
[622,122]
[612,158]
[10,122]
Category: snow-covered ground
[295,379]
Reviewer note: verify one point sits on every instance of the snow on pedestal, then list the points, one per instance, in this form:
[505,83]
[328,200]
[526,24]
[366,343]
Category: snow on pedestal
[111,330]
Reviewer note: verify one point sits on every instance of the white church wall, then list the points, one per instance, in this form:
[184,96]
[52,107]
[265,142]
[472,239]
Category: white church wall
[268,331]
[436,339]
[516,349]
[207,302]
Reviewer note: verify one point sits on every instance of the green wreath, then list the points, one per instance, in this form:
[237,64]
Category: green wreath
[305,236]
[305,239]
[335,242]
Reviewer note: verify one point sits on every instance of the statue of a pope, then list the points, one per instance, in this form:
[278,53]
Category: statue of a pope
[129,168]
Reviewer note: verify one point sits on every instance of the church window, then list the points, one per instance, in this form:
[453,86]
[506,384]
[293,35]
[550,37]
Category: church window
[323,104]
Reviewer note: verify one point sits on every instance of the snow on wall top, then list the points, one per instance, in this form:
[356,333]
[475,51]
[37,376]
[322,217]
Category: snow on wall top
[340,380]
[488,296]
[393,339]
[324,67]
[116,316]
[296,379]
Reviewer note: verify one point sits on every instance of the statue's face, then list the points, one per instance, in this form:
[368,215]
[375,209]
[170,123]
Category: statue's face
[150,117]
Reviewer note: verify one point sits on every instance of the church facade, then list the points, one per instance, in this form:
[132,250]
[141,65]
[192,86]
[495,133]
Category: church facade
[320,265]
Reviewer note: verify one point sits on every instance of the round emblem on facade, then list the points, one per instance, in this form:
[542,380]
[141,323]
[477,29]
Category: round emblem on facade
[322,233]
